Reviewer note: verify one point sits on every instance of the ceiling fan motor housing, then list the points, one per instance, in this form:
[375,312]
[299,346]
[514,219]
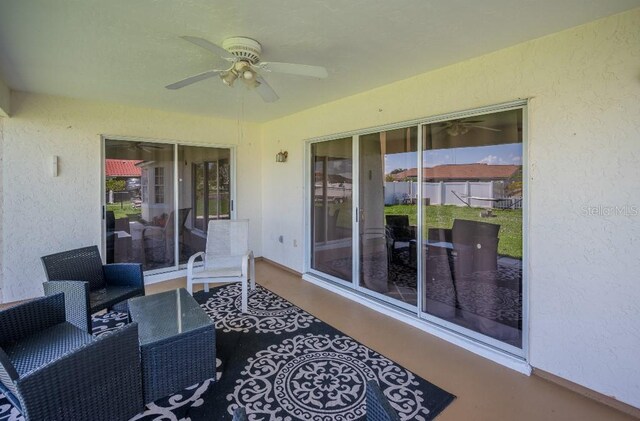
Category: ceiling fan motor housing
[243,48]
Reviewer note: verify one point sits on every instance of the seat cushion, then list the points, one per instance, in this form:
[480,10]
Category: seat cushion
[47,345]
[221,267]
[101,299]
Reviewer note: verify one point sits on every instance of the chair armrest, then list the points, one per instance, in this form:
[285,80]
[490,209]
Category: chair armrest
[33,316]
[124,274]
[440,234]
[100,380]
[153,230]
[76,301]
[191,261]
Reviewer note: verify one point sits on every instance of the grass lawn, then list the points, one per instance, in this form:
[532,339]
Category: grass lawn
[436,216]
[124,211]
[213,206]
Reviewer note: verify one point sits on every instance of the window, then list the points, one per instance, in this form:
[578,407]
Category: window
[159,185]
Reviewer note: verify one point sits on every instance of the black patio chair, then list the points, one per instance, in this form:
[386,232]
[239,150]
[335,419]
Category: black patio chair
[378,407]
[399,231]
[474,245]
[53,370]
[88,285]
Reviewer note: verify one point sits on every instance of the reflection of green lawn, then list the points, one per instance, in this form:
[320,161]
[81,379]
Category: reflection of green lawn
[124,210]
[213,206]
[436,216]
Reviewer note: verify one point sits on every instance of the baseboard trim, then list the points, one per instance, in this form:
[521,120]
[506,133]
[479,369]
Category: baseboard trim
[589,393]
[279,266]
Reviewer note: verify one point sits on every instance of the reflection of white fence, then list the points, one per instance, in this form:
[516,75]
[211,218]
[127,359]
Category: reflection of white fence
[444,193]
[336,192]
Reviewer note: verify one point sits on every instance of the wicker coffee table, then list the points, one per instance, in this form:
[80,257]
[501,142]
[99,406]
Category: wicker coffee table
[177,342]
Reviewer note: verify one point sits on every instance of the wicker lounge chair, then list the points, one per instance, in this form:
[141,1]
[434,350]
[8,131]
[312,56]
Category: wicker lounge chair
[88,285]
[52,370]
[378,407]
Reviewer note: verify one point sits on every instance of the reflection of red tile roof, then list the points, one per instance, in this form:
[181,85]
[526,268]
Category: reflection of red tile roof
[122,168]
[462,172]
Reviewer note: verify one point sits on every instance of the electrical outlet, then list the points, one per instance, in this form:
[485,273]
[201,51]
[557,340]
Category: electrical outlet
[281,239]
[295,243]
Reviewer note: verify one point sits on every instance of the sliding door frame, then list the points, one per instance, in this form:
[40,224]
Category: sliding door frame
[416,311]
[176,185]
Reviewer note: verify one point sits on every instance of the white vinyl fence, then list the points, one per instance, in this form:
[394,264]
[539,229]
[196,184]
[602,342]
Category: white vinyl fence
[481,194]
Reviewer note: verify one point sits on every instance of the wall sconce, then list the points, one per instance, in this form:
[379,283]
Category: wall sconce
[54,165]
[282,156]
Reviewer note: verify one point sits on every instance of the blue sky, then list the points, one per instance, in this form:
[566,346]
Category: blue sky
[495,155]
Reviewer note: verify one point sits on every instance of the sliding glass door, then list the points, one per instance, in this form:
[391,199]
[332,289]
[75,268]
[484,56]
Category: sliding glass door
[387,215]
[437,233]
[139,203]
[159,198]
[472,248]
[331,209]
[205,194]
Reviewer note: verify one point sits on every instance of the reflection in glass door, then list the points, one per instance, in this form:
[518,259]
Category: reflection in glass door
[205,194]
[472,253]
[438,223]
[139,201]
[142,222]
[331,208]
[387,214]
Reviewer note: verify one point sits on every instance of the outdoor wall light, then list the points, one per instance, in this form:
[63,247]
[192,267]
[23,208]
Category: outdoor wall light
[282,156]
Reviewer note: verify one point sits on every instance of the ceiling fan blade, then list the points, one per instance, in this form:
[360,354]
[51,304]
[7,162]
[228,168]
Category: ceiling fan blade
[294,69]
[193,79]
[265,91]
[486,128]
[211,47]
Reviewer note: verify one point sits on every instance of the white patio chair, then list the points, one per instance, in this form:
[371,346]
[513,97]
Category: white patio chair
[227,258]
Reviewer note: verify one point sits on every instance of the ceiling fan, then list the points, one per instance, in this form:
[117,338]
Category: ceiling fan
[461,126]
[243,54]
[135,146]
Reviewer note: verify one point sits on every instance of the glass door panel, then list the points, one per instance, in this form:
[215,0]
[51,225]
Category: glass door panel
[387,214]
[472,218]
[205,185]
[331,208]
[139,201]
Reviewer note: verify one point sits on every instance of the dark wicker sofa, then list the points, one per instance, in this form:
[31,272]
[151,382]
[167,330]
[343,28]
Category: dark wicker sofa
[52,370]
[88,285]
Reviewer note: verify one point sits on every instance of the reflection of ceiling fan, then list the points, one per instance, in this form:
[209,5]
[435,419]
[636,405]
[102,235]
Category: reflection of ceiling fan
[135,146]
[461,126]
[244,56]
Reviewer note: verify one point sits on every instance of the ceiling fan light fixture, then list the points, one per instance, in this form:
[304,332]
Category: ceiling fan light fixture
[228,77]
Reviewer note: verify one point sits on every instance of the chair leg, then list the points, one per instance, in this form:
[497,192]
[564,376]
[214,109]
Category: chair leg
[252,272]
[206,287]
[245,295]
[189,286]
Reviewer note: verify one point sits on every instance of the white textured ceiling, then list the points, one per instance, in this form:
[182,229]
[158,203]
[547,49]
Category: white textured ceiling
[126,51]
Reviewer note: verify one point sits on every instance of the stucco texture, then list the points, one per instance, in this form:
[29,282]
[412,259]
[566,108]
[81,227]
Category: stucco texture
[583,150]
[43,214]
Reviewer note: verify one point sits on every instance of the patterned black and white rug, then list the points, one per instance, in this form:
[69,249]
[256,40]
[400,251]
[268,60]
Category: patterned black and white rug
[281,363]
